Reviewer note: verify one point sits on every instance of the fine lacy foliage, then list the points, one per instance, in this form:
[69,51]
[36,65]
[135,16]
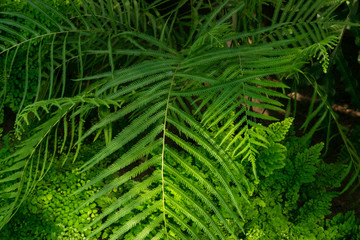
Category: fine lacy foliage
[186,89]
[292,202]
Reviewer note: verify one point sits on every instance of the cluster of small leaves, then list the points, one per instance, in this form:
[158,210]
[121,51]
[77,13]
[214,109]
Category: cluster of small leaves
[16,87]
[51,208]
[51,211]
[292,200]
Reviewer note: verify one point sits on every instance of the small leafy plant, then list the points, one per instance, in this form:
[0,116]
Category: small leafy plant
[51,211]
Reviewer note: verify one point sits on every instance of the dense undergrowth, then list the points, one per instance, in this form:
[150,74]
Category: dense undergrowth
[292,201]
[50,213]
[154,119]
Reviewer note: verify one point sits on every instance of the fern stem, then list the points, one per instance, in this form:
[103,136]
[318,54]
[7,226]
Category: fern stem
[163,149]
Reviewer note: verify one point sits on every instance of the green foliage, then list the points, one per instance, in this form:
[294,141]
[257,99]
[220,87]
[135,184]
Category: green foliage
[335,72]
[182,82]
[49,213]
[6,147]
[15,91]
[343,226]
[320,50]
[290,202]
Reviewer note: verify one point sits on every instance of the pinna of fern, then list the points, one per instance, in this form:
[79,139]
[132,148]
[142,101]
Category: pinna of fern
[177,101]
